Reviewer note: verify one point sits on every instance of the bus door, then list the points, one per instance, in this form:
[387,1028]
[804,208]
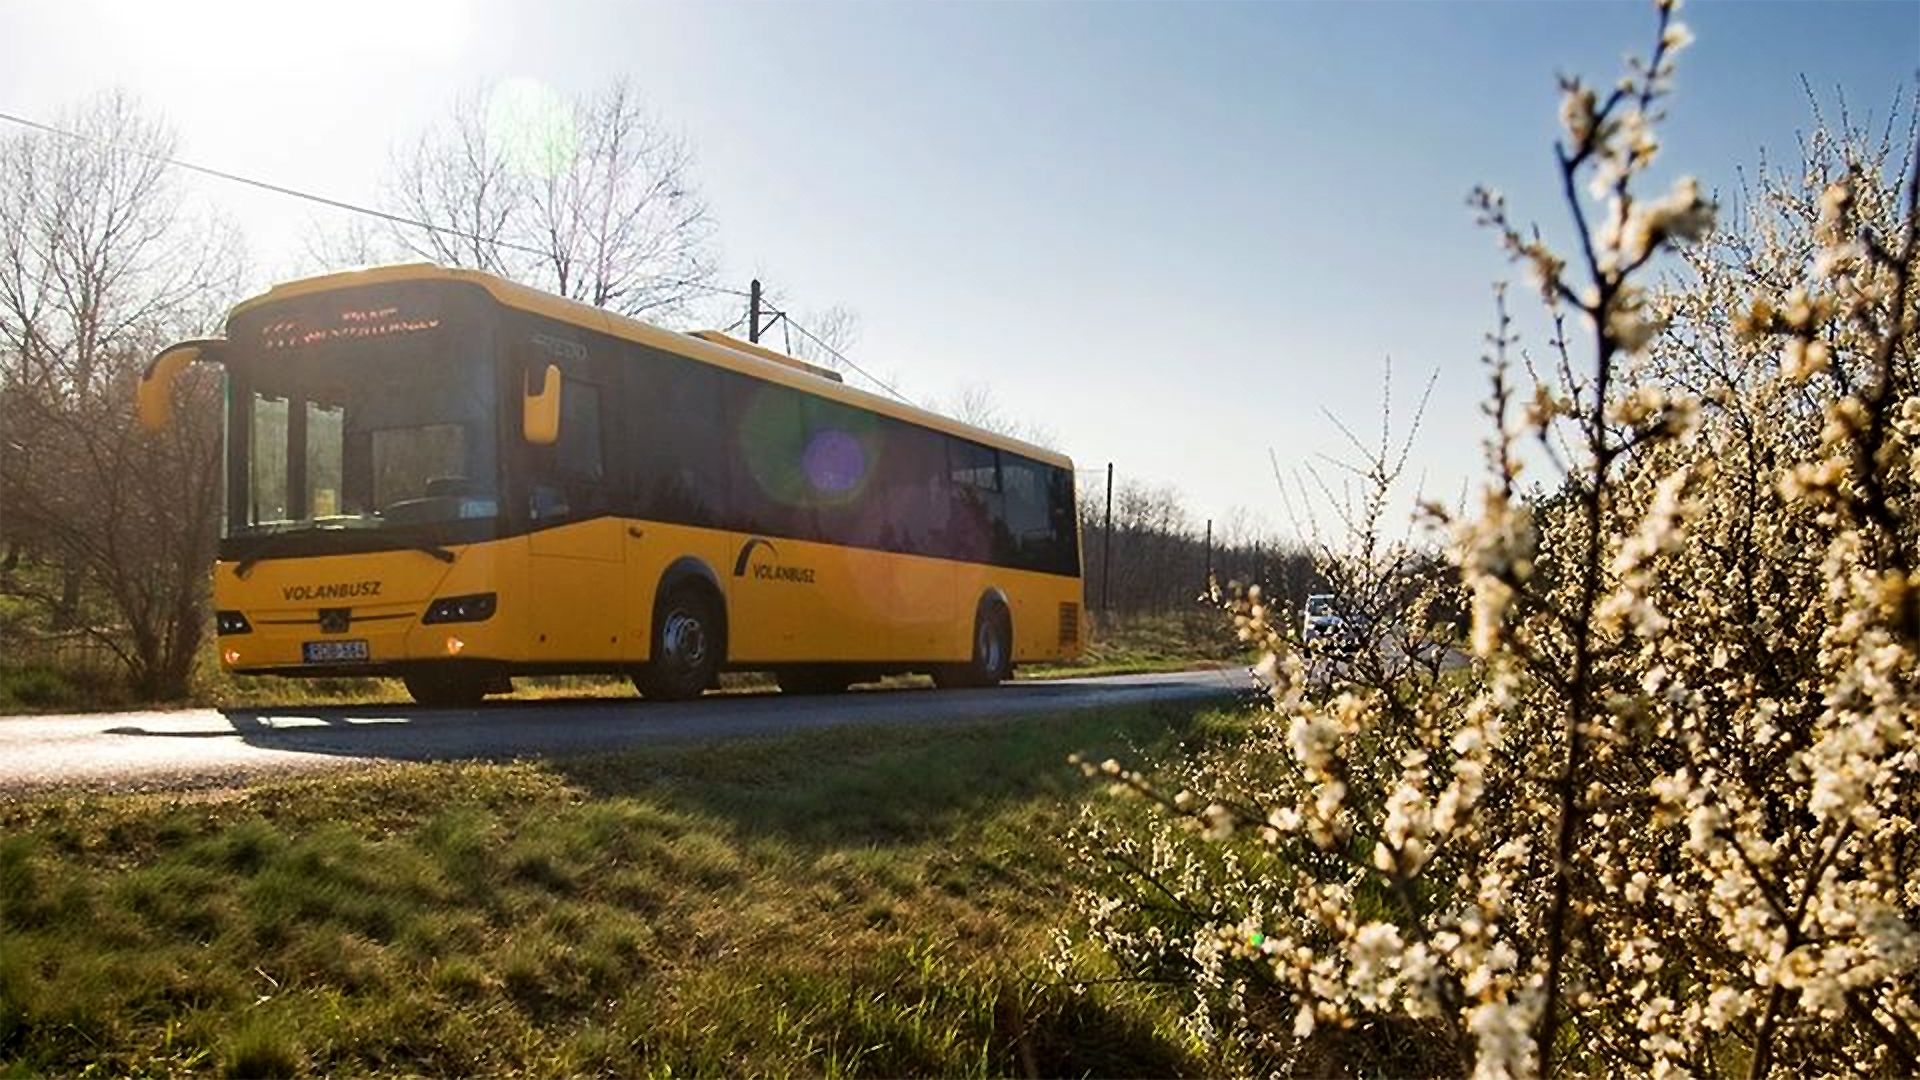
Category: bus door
[576,548]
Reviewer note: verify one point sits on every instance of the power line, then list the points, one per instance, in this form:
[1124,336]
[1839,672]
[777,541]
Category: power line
[277,189]
[399,219]
[810,336]
[756,303]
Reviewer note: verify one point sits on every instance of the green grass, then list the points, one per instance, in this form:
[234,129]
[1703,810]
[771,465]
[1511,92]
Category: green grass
[862,901]
[1138,644]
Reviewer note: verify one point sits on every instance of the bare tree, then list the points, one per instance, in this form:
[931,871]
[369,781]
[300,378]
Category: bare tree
[1160,554]
[976,404]
[456,177]
[821,337]
[592,199]
[346,245]
[101,264]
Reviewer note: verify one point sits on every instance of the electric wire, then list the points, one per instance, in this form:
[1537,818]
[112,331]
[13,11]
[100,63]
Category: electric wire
[838,355]
[278,189]
[400,219]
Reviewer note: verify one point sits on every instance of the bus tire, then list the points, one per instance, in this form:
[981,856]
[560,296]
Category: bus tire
[689,642]
[445,689]
[812,680]
[992,661]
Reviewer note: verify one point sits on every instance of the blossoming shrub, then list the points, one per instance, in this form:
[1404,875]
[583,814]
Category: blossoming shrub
[1661,819]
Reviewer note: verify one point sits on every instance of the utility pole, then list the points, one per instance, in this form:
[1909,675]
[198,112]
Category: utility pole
[1208,587]
[753,312]
[1106,551]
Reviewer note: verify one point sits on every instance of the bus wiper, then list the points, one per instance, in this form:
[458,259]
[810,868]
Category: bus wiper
[429,547]
[417,542]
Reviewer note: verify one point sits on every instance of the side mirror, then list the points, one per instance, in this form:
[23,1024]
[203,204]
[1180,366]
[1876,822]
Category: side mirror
[540,406]
[153,403]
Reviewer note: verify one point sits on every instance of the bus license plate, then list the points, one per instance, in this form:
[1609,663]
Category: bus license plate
[333,652]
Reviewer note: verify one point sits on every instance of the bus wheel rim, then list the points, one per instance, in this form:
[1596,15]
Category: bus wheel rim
[991,648]
[685,640]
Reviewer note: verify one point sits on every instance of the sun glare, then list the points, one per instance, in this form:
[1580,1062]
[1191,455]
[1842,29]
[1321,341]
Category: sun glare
[534,125]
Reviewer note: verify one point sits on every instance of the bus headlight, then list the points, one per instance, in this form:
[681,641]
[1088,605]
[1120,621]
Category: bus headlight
[475,608]
[231,622]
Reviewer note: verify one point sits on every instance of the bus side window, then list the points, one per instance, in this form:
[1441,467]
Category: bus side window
[679,450]
[768,484]
[574,483]
[913,474]
[1064,513]
[973,472]
[581,454]
[839,462]
[1025,536]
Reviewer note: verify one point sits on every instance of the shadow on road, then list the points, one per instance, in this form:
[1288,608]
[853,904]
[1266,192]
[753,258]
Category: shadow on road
[569,726]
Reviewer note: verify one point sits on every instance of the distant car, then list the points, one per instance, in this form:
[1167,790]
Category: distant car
[1321,620]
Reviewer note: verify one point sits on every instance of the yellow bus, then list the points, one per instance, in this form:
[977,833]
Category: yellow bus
[447,477]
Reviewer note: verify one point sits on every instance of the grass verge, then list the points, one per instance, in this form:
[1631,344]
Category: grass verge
[1137,644]
[854,902]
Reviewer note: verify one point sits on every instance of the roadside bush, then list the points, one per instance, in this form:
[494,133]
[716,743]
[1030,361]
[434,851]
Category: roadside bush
[1662,822]
[37,687]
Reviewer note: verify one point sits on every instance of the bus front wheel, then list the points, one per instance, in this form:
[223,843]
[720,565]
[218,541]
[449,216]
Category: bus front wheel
[687,644]
[992,661]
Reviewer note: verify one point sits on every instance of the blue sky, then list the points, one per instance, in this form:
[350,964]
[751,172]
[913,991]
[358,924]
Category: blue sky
[1174,235]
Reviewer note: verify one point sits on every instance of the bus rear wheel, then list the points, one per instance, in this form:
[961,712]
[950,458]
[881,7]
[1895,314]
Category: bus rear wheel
[992,662]
[687,644]
[445,689]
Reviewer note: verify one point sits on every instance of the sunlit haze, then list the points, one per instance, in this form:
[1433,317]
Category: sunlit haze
[1175,237]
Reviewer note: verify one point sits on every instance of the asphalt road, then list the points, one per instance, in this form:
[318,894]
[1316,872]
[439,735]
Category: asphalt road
[215,747]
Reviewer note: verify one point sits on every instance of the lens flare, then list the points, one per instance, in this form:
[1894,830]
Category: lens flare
[533,127]
[834,462]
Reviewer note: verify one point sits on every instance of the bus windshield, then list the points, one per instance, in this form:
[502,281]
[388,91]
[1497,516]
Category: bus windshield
[358,417]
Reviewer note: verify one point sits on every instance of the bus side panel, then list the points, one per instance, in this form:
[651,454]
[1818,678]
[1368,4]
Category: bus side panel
[1046,625]
[796,601]
[511,628]
[971,581]
[576,583]
[652,549]
[848,607]
[920,624]
[1045,609]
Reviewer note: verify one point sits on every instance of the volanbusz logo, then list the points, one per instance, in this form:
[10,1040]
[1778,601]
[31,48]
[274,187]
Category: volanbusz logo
[343,590]
[769,571]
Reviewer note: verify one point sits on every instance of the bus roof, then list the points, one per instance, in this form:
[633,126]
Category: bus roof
[707,351]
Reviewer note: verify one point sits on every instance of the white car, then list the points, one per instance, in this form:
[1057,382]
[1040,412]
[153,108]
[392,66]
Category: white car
[1321,620]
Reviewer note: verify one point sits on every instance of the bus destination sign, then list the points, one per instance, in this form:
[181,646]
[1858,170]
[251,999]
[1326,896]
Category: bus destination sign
[358,324]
